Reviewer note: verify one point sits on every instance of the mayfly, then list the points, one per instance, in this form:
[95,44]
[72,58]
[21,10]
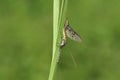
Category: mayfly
[68,32]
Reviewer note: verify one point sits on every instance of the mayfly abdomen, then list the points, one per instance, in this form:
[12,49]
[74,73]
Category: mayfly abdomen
[63,43]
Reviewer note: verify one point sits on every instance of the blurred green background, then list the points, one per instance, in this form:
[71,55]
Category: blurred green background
[26,40]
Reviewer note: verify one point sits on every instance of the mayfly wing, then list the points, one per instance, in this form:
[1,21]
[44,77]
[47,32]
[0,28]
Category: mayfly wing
[71,33]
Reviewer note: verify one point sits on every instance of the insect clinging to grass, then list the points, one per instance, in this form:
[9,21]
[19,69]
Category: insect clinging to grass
[68,32]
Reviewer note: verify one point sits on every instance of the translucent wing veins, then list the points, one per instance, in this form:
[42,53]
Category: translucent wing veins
[71,33]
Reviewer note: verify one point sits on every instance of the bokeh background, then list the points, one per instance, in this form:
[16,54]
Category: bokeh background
[26,40]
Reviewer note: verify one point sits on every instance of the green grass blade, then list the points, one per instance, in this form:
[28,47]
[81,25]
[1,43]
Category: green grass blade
[58,19]
[55,33]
